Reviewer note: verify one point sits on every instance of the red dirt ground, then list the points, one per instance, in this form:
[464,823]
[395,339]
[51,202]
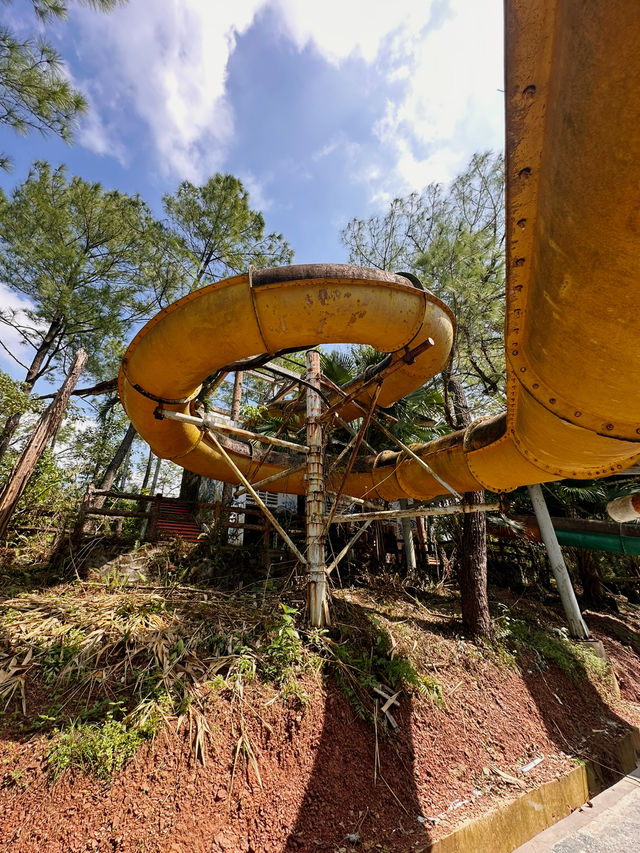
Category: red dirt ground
[318,788]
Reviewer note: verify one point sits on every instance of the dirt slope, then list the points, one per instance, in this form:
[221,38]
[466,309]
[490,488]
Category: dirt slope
[306,773]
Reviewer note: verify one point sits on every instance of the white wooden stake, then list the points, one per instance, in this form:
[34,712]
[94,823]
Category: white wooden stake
[577,626]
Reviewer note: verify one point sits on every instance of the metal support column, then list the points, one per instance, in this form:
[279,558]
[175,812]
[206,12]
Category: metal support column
[577,626]
[317,586]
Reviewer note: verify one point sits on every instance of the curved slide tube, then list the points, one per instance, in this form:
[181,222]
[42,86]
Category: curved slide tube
[573,243]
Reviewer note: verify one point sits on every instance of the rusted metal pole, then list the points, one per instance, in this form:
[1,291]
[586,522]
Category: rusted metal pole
[365,384]
[209,421]
[415,512]
[265,509]
[349,546]
[236,405]
[317,586]
[281,475]
[354,453]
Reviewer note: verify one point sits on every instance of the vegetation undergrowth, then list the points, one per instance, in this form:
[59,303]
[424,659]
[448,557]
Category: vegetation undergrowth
[99,748]
[554,647]
[117,660]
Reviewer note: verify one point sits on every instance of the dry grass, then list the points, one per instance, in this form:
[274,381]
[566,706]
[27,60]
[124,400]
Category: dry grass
[148,652]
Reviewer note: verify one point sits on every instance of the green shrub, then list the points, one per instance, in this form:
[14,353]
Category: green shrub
[554,647]
[360,665]
[284,651]
[100,749]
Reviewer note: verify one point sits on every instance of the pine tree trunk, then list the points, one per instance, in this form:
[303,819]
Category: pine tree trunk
[13,421]
[473,557]
[592,592]
[147,472]
[114,466]
[40,437]
[473,570]
[190,486]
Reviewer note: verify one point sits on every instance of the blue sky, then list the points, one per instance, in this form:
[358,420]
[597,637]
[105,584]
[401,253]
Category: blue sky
[325,111]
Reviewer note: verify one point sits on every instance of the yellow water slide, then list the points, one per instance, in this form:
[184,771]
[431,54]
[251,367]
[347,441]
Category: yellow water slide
[572,95]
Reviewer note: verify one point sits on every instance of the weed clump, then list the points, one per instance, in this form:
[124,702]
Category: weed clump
[554,647]
[365,659]
[95,748]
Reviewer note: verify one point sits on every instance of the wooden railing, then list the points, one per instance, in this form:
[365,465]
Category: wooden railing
[93,500]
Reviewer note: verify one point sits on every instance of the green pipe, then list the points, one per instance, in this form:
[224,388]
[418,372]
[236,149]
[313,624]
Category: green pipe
[614,544]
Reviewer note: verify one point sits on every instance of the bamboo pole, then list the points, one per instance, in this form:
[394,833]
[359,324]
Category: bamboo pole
[281,475]
[393,438]
[356,447]
[346,425]
[257,499]
[236,405]
[413,455]
[317,585]
[348,546]
[211,424]
[364,384]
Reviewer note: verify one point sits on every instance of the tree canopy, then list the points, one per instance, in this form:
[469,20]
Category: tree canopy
[35,92]
[217,231]
[80,254]
[453,239]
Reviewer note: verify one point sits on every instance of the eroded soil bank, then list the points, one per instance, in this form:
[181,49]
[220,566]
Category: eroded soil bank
[271,754]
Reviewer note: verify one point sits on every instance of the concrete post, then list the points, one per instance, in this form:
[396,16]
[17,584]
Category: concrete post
[577,626]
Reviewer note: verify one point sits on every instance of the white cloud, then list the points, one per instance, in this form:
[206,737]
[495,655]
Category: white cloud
[166,61]
[97,137]
[452,105]
[256,187]
[339,29]
[15,307]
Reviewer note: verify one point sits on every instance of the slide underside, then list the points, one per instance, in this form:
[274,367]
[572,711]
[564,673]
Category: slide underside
[573,272]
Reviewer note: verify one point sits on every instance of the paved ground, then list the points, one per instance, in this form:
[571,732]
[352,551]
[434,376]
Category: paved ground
[611,825]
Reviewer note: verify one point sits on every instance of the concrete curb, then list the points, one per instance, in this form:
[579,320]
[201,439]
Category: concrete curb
[603,818]
[507,828]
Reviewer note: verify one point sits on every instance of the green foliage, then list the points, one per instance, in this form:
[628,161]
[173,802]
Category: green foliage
[554,647]
[50,491]
[95,748]
[453,239]
[35,92]
[14,778]
[79,254]
[418,415]
[284,652]
[218,232]
[60,653]
[12,397]
[364,662]
[90,446]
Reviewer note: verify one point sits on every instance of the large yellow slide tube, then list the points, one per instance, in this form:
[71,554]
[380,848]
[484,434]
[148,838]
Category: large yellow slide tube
[573,273]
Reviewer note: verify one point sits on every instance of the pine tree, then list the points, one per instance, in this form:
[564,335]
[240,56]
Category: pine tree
[80,255]
[35,93]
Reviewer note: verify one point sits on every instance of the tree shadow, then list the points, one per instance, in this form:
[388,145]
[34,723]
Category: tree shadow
[364,788]
[580,719]
[377,804]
